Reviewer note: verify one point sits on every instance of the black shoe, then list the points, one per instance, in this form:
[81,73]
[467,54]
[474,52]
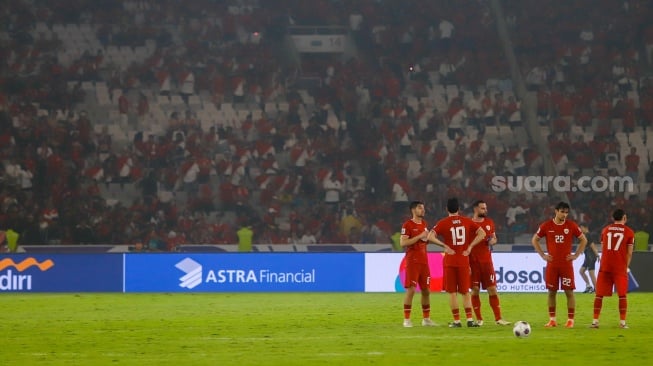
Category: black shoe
[455,325]
[591,291]
[472,324]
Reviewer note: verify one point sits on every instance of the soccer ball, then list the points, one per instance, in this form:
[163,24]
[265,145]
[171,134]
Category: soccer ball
[521,329]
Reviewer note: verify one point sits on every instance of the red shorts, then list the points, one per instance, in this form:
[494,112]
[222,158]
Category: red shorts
[607,280]
[483,274]
[457,279]
[560,276]
[417,274]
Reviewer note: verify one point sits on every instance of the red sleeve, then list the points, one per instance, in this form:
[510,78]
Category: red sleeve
[631,238]
[541,230]
[492,228]
[577,231]
[440,227]
[405,228]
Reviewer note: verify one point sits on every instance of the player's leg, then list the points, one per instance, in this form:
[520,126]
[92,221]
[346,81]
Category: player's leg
[476,291]
[591,267]
[603,288]
[464,282]
[592,273]
[495,304]
[467,304]
[410,284]
[621,285]
[451,287]
[488,282]
[571,307]
[425,287]
[583,274]
[552,283]
[568,286]
[476,303]
[455,310]
[408,304]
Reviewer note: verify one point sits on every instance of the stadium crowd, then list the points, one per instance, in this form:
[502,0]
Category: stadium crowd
[205,129]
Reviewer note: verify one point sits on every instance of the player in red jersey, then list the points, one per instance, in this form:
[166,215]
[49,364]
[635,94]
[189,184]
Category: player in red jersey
[414,234]
[560,233]
[480,261]
[460,235]
[617,242]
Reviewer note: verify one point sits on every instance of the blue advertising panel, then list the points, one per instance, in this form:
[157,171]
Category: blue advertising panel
[61,273]
[251,272]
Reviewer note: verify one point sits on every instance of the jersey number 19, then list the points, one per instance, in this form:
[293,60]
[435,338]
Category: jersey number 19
[458,235]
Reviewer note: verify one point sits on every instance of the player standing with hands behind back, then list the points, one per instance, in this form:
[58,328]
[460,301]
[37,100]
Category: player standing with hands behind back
[414,234]
[460,234]
[560,233]
[617,242]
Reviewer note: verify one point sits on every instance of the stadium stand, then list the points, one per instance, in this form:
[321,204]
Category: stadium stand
[168,123]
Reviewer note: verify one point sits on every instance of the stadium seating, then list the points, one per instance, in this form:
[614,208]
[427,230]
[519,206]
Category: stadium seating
[253,98]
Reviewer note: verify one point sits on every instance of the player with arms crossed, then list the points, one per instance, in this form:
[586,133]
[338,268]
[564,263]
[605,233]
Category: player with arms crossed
[460,235]
[414,234]
[480,261]
[560,233]
[617,242]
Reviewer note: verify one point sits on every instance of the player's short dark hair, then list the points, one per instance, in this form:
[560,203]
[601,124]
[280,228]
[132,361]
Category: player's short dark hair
[618,214]
[453,205]
[562,206]
[477,203]
[414,204]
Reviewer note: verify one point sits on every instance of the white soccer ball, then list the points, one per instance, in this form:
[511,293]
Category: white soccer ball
[521,329]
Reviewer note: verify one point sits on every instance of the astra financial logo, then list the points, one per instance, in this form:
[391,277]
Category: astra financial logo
[193,273]
[196,274]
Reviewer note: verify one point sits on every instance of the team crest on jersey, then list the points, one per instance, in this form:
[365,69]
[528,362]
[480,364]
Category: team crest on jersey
[487,227]
[566,231]
[403,231]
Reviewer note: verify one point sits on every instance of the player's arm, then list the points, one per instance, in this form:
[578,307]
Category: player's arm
[629,255]
[580,249]
[433,238]
[535,241]
[480,235]
[493,239]
[595,250]
[405,241]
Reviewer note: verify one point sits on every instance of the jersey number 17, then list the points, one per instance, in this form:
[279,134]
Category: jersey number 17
[614,239]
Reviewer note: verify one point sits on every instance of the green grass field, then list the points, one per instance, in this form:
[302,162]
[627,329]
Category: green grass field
[303,329]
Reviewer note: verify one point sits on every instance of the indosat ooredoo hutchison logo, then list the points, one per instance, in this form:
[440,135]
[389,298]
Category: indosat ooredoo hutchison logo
[14,276]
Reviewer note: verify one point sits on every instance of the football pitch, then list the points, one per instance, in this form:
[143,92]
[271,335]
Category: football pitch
[305,329]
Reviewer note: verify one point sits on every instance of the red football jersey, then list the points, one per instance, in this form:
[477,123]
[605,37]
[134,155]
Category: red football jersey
[615,240]
[481,252]
[457,233]
[559,238]
[415,253]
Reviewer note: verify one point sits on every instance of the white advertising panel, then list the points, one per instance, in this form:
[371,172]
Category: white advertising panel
[516,272]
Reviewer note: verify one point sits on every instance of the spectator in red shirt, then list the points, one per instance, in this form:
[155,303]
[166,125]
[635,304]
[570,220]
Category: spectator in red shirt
[632,164]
